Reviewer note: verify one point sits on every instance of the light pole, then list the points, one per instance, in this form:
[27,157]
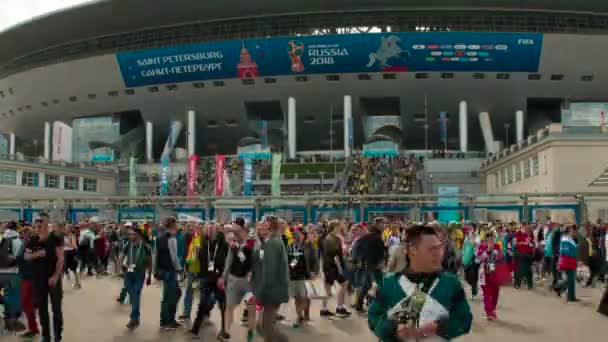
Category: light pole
[507,127]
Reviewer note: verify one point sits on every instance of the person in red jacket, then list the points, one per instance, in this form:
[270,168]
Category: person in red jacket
[524,254]
[489,254]
[102,252]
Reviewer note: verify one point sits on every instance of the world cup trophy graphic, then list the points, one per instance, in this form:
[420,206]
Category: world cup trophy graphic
[295,53]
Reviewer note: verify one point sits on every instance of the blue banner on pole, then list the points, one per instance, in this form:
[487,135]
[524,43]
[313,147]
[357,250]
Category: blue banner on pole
[264,133]
[164,175]
[248,177]
[443,122]
[329,54]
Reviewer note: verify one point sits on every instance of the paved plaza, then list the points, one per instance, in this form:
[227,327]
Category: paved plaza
[92,315]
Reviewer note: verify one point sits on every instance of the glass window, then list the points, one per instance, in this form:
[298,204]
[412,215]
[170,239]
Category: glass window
[535,166]
[51,181]
[509,175]
[29,179]
[90,185]
[517,171]
[8,177]
[497,180]
[526,168]
[71,183]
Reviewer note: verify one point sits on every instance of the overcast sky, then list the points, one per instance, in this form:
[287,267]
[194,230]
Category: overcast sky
[13,12]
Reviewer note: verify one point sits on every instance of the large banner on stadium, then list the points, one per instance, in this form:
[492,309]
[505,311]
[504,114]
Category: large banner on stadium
[329,54]
[62,142]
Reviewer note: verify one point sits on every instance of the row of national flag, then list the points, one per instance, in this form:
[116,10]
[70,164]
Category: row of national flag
[222,178]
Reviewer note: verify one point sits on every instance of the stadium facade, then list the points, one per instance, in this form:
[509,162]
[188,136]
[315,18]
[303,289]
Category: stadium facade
[237,63]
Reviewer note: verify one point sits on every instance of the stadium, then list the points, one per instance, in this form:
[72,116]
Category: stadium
[68,64]
[319,82]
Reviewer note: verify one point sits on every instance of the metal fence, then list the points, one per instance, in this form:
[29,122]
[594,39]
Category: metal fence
[559,207]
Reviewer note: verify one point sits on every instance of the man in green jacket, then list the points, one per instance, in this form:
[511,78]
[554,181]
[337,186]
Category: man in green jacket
[423,302]
[271,279]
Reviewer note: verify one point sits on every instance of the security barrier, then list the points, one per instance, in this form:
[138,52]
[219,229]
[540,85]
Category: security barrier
[567,208]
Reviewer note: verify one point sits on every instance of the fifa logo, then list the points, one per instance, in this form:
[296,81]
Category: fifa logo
[295,54]
[525,42]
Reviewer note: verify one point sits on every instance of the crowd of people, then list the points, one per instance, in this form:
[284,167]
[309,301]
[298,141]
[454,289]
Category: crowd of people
[381,175]
[406,276]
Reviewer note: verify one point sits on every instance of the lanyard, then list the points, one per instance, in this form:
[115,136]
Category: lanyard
[211,260]
[136,255]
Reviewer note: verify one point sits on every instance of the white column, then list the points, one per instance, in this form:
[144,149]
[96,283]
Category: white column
[486,130]
[191,132]
[47,141]
[291,127]
[463,127]
[149,142]
[348,117]
[519,126]
[11,144]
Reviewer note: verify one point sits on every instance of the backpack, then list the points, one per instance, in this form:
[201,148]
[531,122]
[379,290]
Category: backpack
[7,255]
[85,242]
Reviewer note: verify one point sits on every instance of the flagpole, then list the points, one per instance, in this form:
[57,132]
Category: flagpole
[426,125]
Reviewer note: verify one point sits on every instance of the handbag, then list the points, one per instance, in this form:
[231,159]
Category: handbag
[314,291]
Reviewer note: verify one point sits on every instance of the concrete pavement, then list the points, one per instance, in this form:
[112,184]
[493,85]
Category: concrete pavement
[92,315]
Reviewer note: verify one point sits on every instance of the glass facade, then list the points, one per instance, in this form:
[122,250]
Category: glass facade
[8,177]
[51,181]
[94,138]
[526,164]
[90,185]
[534,165]
[517,171]
[30,179]
[71,183]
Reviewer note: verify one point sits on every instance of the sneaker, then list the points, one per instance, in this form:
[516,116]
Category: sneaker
[297,323]
[14,325]
[223,336]
[77,286]
[184,318]
[342,312]
[171,326]
[245,315]
[327,314]
[132,325]
[193,335]
[30,334]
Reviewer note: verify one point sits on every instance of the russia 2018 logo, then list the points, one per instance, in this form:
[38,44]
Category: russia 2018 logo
[296,49]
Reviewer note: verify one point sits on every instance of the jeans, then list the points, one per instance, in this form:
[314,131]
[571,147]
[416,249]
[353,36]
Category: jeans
[27,302]
[42,292]
[171,295]
[524,271]
[208,296]
[568,283]
[11,283]
[123,292]
[191,278]
[134,282]
[366,280]
[554,271]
